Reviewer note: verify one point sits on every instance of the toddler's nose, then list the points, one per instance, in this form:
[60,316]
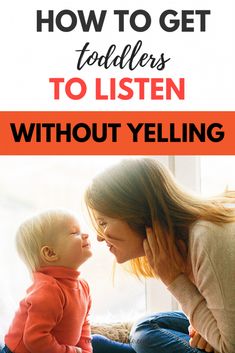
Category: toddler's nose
[85,236]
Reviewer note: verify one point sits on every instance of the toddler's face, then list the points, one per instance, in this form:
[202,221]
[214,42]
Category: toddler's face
[73,247]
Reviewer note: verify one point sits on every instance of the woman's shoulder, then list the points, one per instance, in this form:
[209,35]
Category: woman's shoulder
[205,233]
[212,257]
[212,245]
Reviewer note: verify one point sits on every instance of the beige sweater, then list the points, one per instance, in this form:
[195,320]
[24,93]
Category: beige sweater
[209,302]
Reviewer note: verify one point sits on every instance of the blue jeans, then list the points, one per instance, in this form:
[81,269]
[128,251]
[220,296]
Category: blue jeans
[162,333]
[6,350]
[101,344]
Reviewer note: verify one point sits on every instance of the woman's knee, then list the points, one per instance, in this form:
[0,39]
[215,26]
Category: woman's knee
[102,344]
[149,321]
[144,332]
[148,330]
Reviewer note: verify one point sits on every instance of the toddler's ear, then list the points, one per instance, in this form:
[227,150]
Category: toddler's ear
[48,254]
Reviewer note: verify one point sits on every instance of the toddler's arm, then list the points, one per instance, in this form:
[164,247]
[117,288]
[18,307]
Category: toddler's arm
[85,339]
[45,310]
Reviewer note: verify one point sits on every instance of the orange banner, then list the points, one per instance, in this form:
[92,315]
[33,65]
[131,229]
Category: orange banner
[117,133]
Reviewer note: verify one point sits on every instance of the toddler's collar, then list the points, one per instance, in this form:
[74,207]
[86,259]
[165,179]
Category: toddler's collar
[60,272]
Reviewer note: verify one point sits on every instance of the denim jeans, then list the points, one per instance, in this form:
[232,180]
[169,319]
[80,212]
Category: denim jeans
[162,333]
[6,350]
[101,344]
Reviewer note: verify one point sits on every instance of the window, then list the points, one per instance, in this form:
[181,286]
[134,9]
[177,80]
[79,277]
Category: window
[217,174]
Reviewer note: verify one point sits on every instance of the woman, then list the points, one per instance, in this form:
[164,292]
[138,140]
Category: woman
[189,243]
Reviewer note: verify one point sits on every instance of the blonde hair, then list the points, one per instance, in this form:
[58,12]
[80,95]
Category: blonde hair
[37,232]
[142,192]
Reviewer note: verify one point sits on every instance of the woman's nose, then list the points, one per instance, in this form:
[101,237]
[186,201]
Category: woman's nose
[100,238]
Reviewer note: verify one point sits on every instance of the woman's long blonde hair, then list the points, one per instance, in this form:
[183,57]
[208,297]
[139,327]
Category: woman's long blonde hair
[143,193]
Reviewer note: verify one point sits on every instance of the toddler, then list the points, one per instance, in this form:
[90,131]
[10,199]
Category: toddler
[53,317]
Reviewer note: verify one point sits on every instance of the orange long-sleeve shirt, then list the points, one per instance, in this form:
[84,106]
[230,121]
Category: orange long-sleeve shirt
[53,317]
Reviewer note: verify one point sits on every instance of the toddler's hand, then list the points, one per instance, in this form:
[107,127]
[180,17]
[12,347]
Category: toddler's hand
[78,350]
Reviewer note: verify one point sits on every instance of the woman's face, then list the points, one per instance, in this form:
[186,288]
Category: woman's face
[123,242]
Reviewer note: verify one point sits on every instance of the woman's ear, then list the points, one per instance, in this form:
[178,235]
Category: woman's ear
[48,254]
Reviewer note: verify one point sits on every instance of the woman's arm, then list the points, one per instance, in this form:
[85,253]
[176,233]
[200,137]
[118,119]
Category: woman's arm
[216,326]
[211,311]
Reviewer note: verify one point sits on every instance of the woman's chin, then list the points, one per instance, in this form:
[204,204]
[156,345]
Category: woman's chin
[119,258]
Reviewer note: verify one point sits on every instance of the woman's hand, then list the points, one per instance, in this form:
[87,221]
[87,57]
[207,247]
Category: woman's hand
[158,260]
[197,341]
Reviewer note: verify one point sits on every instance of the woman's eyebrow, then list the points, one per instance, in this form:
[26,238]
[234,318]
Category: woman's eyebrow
[99,218]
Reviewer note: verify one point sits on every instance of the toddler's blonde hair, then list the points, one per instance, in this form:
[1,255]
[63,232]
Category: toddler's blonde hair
[38,231]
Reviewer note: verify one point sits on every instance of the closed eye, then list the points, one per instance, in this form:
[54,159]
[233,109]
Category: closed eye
[102,224]
[78,234]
